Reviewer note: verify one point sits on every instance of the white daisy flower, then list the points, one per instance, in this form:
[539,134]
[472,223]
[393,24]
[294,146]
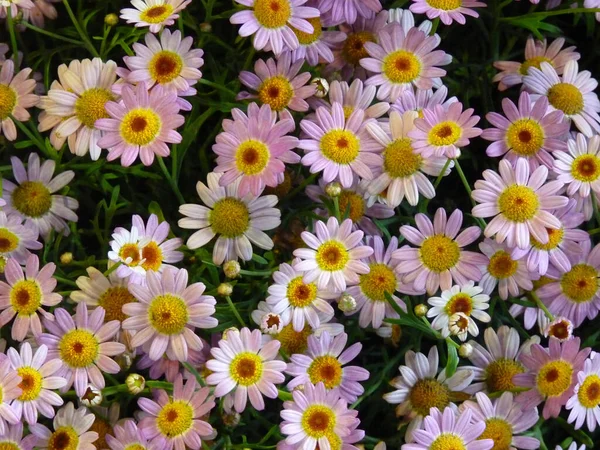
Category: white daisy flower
[579,168]
[584,404]
[154,14]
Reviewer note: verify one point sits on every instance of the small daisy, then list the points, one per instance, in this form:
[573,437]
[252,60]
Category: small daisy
[16,95]
[255,149]
[503,420]
[584,404]
[16,239]
[126,249]
[316,47]
[536,52]
[419,99]
[154,14]
[167,313]
[443,132]
[82,343]
[440,257]
[13,439]
[402,60]
[270,322]
[243,367]
[127,435]
[572,93]
[529,132]
[238,221]
[315,416]
[9,390]
[579,168]
[33,197]
[25,293]
[560,328]
[37,382]
[520,202]
[278,84]
[346,11]
[404,169]
[357,96]
[326,361]
[334,255]
[271,22]
[70,430]
[142,123]
[447,10]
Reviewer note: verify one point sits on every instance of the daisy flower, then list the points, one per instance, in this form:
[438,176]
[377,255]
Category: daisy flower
[551,375]
[315,416]
[338,147]
[326,362]
[316,47]
[167,313]
[335,255]
[420,387]
[75,102]
[25,293]
[83,345]
[154,14]
[443,132]
[128,435]
[37,382]
[255,149]
[33,197]
[9,390]
[404,169]
[244,367]
[584,404]
[536,52]
[13,438]
[16,239]
[346,11]
[271,22]
[16,95]
[278,84]
[440,257]
[142,123]
[529,132]
[447,11]
[270,322]
[401,60]
[126,248]
[520,203]
[237,220]
[504,419]
[572,93]
[71,426]
[579,168]
[419,99]
[357,96]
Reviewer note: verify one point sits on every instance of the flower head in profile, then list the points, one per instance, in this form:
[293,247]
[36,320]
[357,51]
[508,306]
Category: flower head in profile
[584,404]
[447,11]
[16,95]
[347,11]
[154,14]
[71,426]
[16,239]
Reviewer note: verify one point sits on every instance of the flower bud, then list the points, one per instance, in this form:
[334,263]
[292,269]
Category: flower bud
[333,189]
[205,27]
[347,304]
[111,19]
[91,397]
[322,87]
[224,289]
[66,258]
[465,350]
[231,269]
[225,332]
[421,310]
[135,383]
[271,323]
[231,419]
[560,328]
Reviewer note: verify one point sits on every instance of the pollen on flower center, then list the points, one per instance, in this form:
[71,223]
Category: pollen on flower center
[140,126]
[502,265]
[276,92]
[229,217]
[499,374]
[301,294]
[401,66]
[64,438]
[349,200]
[31,383]
[252,157]
[340,146]
[518,203]
[460,302]
[156,14]
[444,133]
[400,160]
[9,241]
[175,418]
[332,256]
[448,441]
[168,314]
[536,62]
[135,447]
[566,97]
[102,427]
[427,394]
[152,256]
[555,237]
[32,199]
[318,421]
[112,300]
[377,282]
[354,46]
[580,284]
[294,341]
[554,378]
[9,445]
[26,297]
[525,137]
[446,5]
[90,106]
[246,368]
[500,431]
[309,38]
[130,254]
[589,392]
[8,101]
[327,369]
[165,66]
[272,13]
[78,348]
[439,253]
[586,168]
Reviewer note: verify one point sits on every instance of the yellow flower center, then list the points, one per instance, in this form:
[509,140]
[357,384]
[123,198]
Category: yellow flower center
[130,251]
[446,5]
[157,13]
[357,205]
[301,294]
[31,383]
[32,199]
[8,101]
[246,368]
[64,438]
[229,217]
[502,265]
[8,445]
[91,106]
[566,97]
[427,394]
[112,300]
[326,369]
[536,62]
[559,330]
[294,341]
[354,46]
[401,67]
[102,427]
[586,168]
[309,38]
[9,241]
[340,146]
[153,257]
[175,418]
[318,421]
[448,441]
[272,13]
[400,160]
[444,133]
[518,203]
[377,282]
[332,256]
[78,348]
[460,302]
[439,253]
[26,297]
[500,431]
[554,378]
[555,237]
[276,92]
[580,284]
[165,66]
[135,447]
[499,374]
[525,137]
[168,313]
[251,157]
[589,392]
[348,110]
[140,126]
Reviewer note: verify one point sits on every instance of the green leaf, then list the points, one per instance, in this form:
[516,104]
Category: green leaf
[452,363]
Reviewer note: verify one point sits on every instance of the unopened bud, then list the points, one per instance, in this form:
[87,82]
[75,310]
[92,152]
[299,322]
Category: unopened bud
[465,350]
[322,87]
[135,383]
[231,269]
[111,19]
[205,27]
[66,258]
[231,419]
[271,323]
[560,328]
[227,331]
[91,397]
[124,360]
[347,303]
[224,289]
[333,189]
[421,310]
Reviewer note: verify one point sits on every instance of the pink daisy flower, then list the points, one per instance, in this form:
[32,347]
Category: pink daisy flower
[9,388]
[417,100]
[16,92]
[128,435]
[347,11]
[447,11]
[142,123]
[70,425]
[154,14]
[579,168]
[82,343]
[440,258]
[315,47]
[24,294]
[13,435]
[16,239]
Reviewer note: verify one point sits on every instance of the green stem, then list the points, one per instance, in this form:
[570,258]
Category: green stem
[465,183]
[533,296]
[595,206]
[552,13]
[49,33]
[122,388]
[284,395]
[194,372]
[257,273]
[434,27]
[84,37]
[594,231]
[172,183]
[305,183]
[112,268]
[39,144]
[336,208]
[423,207]
[217,86]
[235,311]
[65,281]
[13,37]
